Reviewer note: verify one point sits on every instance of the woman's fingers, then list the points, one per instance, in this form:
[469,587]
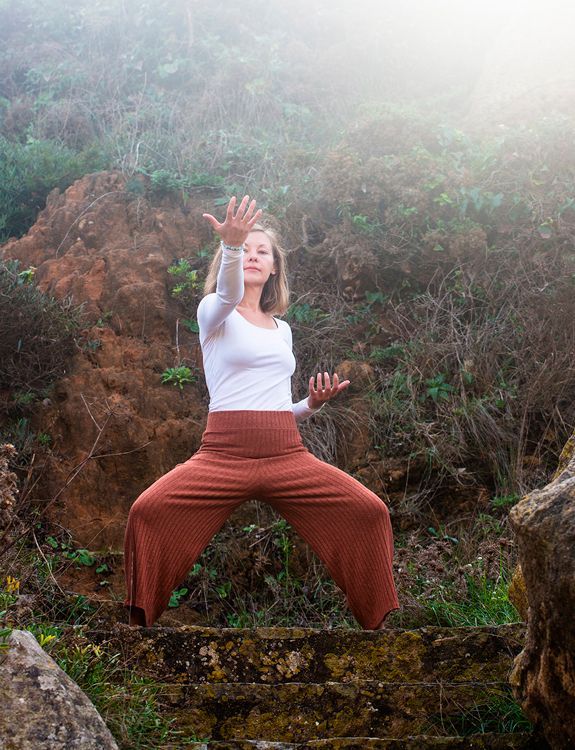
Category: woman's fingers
[213,221]
[242,207]
[256,216]
[230,209]
[238,223]
[249,213]
[243,218]
[249,217]
[339,386]
[322,388]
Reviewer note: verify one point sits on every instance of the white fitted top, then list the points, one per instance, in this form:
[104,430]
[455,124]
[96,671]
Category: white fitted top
[246,366]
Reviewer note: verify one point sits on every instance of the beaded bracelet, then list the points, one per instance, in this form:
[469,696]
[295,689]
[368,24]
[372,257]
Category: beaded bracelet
[230,247]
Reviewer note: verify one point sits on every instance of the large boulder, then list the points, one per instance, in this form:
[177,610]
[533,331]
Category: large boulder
[544,673]
[42,708]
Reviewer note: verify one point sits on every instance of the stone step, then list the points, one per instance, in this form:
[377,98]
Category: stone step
[274,655]
[488,741]
[300,712]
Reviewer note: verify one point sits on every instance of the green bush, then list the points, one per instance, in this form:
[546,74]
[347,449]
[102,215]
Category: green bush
[28,172]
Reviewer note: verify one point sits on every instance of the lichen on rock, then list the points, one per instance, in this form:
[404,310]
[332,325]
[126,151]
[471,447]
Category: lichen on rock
[43,708]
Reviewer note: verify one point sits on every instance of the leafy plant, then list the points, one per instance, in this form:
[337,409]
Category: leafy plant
[191,325]
[505,501]
[176,597]
[386,353]
[178,376]
[366,225]
[188,280]
[305,314]
[5,634]
[44,439]
[37,340]
[438,388]
[80,556]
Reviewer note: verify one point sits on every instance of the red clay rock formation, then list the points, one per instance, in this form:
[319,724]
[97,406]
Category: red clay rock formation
[110,249]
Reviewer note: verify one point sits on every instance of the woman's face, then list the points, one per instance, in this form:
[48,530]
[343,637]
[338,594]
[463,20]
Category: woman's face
[259,261]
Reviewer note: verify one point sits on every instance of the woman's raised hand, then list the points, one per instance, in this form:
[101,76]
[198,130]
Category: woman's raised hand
[236,228]
[321,391]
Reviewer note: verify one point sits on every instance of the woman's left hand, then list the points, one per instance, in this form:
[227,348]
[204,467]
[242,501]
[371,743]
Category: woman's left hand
[323,389]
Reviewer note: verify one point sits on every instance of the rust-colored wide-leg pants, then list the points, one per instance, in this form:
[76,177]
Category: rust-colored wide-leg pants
[259,455]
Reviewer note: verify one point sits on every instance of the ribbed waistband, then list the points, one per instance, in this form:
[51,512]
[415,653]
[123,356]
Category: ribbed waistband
[251,434]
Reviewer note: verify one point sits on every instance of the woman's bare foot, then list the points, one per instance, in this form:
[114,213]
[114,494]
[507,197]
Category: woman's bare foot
[137,616]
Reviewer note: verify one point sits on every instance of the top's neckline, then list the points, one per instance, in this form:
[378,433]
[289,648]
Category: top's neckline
[254,325]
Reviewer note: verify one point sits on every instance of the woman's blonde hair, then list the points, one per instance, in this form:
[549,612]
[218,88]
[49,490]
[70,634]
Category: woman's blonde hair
[275,294]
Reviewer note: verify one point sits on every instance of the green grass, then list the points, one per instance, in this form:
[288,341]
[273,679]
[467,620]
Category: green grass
[128,703]
[487,603]
[499,714]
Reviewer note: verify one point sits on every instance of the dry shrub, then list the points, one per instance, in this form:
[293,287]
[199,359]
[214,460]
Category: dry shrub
[36,333]
[8,486]
[483,371]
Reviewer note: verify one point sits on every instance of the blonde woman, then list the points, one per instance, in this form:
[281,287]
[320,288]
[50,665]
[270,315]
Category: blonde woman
[251,447]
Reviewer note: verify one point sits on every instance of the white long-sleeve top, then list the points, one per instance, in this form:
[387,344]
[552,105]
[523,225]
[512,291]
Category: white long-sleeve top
[247,367]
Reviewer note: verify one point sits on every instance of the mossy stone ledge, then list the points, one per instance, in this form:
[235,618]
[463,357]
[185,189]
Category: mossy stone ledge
[274,655]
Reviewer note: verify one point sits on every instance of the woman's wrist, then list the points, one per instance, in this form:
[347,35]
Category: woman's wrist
[229,246]
[312,406]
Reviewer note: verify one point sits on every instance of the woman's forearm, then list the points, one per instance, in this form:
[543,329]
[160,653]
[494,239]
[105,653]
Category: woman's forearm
[215,308]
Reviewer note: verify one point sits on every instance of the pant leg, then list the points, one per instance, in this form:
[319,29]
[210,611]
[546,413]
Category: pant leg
[346,524]
[172,522]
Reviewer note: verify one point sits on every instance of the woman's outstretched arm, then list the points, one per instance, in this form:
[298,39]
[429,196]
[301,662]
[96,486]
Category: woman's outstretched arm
[214,309]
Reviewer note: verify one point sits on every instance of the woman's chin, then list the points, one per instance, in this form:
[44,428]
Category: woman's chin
[254,280]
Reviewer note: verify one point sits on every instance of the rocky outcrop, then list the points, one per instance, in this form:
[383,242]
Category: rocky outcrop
[114,427]
[544,672]
[42,708]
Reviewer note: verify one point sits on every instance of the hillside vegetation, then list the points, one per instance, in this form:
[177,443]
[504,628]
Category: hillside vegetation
[466,237]
[438,251]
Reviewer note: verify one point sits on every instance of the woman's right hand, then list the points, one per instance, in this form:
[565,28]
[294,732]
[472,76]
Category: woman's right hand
[235,229]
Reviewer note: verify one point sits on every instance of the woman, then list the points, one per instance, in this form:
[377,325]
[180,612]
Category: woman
[251,448]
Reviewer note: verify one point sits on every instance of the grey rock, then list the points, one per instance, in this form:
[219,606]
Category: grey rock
[43,708]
